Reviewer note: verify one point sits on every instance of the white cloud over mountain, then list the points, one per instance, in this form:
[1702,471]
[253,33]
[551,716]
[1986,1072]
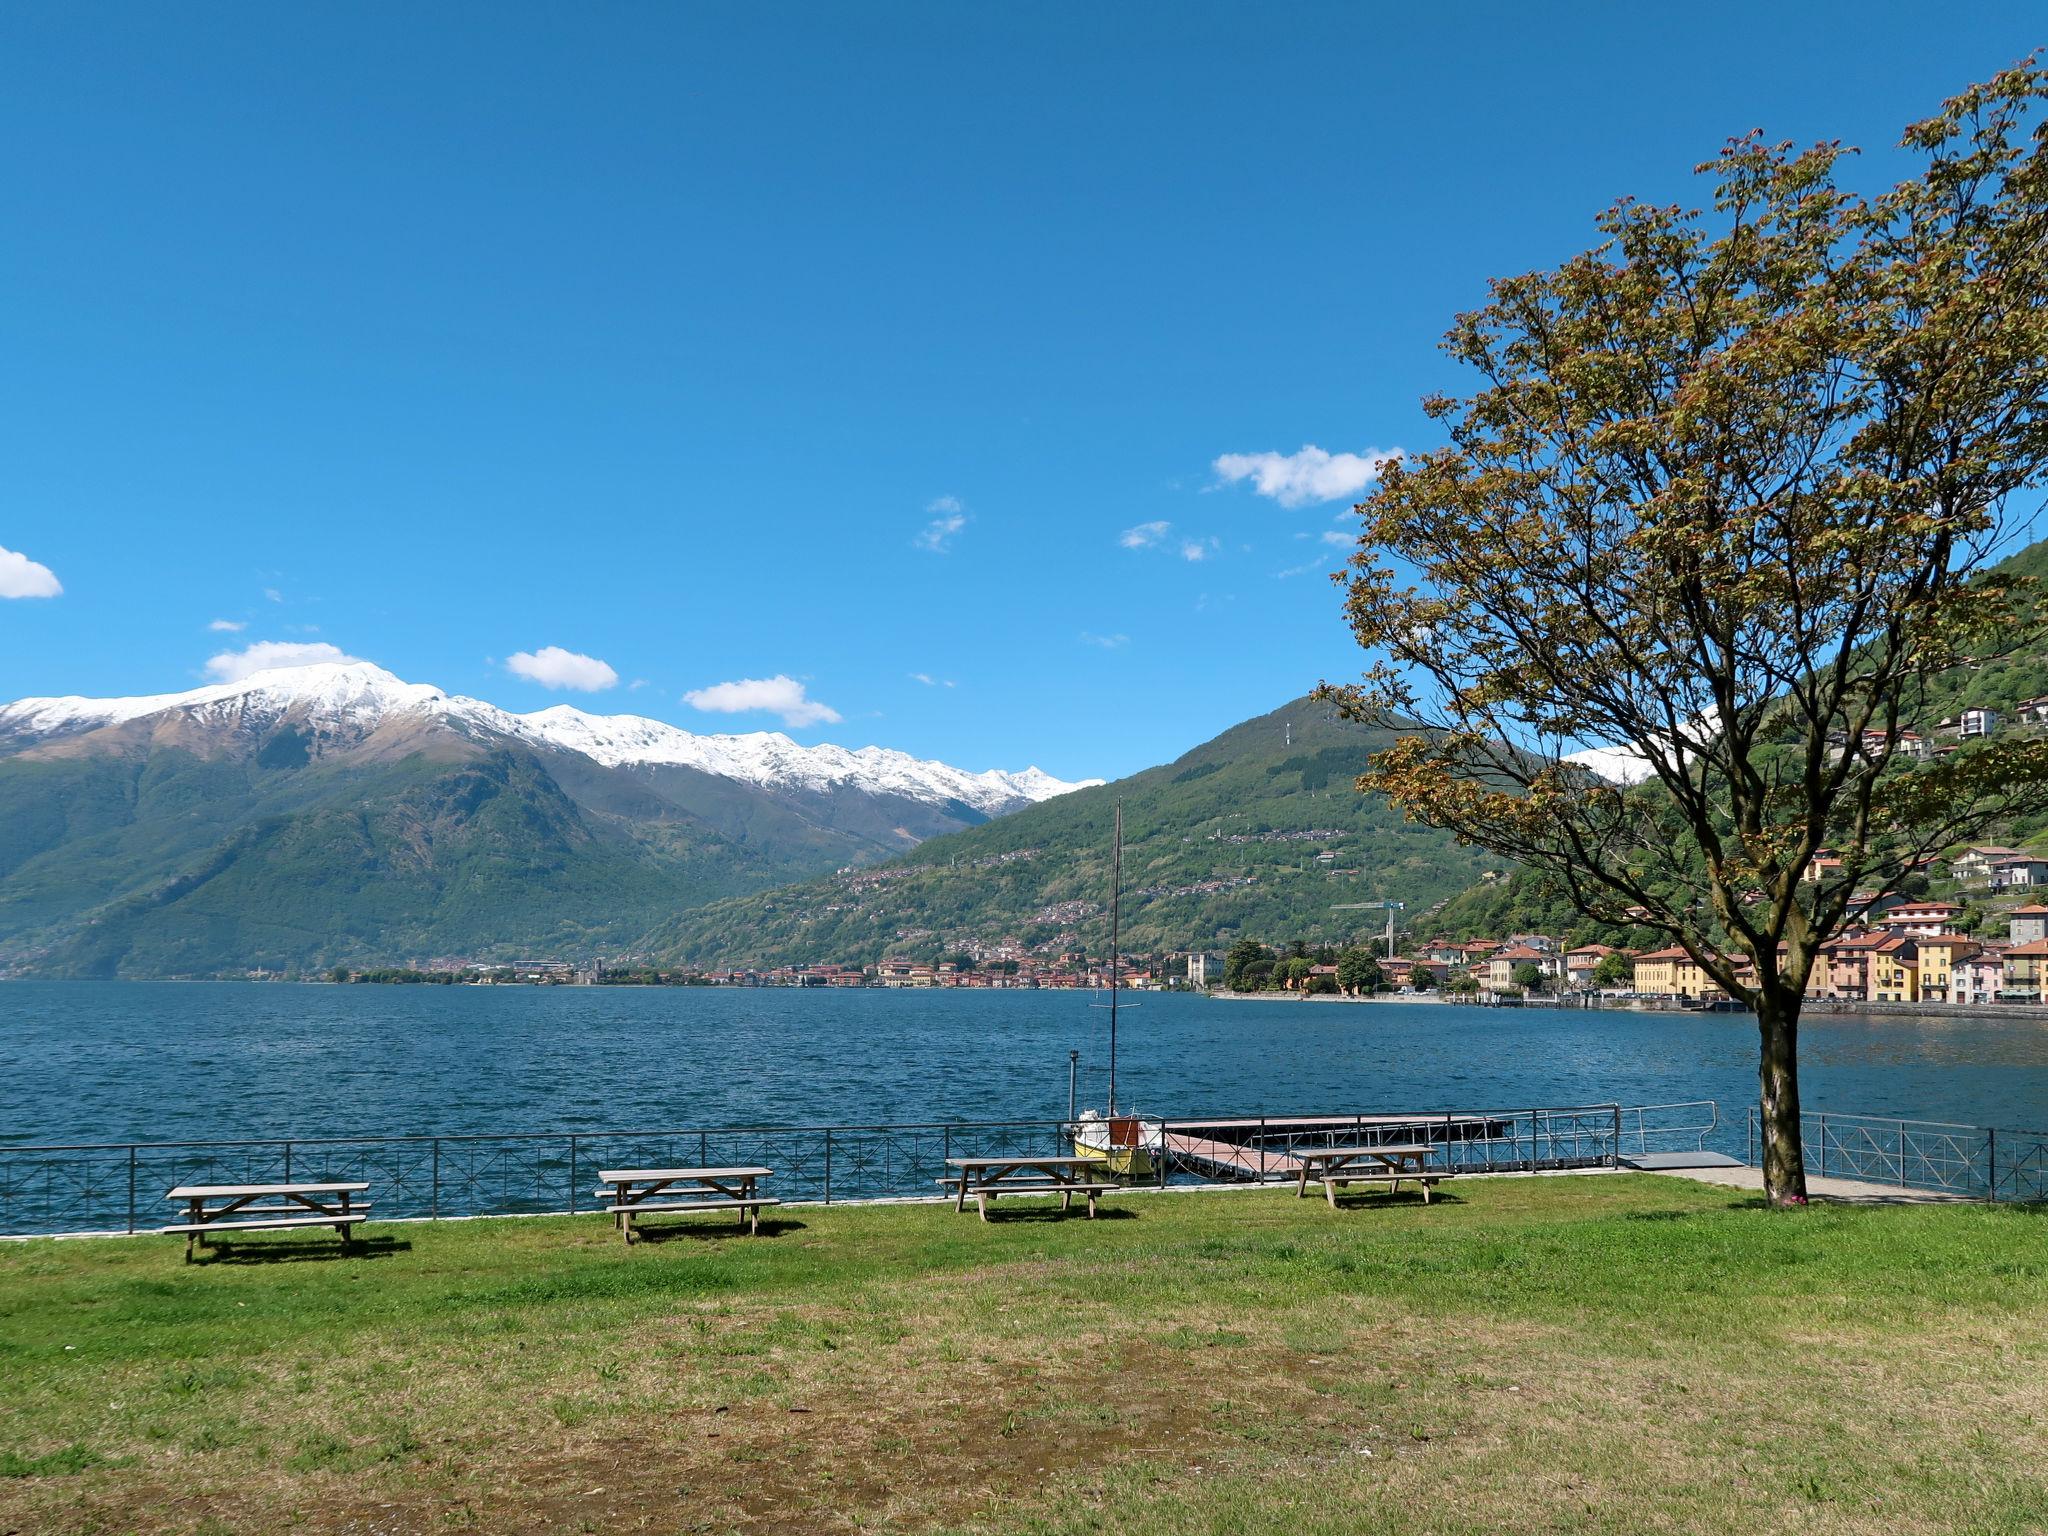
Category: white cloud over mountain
[1311,475]
[23,577]
[778,695]
[553,667]
[233,666]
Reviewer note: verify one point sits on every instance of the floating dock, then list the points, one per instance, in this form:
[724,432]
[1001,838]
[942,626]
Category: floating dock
[1259,1149]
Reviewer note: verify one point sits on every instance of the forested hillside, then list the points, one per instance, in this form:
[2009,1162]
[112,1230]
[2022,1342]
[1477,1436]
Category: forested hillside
[1257,832]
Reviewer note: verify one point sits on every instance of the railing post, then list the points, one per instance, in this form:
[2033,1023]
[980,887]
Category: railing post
[1991,1160]
[828,1165]
[287,1162]
[572,1173]
[1532,1141]
[435,1196]
[131,1186]
[1902,1154]
[1614,1153]
[1823,1144]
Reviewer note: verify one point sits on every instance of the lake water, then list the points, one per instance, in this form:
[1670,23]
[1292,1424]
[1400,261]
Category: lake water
[122,1061]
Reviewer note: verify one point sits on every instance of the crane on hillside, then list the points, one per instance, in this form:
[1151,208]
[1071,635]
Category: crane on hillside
[1371,906]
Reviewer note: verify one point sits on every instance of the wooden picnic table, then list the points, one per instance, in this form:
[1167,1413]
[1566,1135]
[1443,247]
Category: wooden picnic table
[1019,1174]
[635,1192]
[1389,1164]
[214,1208]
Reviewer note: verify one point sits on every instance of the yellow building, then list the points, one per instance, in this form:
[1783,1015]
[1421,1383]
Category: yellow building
[1940,954]
[1895,970]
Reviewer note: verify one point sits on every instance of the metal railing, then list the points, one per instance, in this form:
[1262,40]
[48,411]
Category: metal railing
[119,1187]
[1684,1126]
[1979,1162]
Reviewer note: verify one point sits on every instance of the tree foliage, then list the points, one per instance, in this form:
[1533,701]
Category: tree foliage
[1729,497]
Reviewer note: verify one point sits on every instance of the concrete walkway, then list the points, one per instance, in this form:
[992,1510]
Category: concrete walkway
[1849,1191]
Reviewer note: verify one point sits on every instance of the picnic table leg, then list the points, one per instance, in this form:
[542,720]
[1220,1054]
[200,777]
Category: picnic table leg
[1091,1205]
[1330,1189]
[960,1200]
[1425,1190]
[981,1199]
[1301,1182]
[1067,1201]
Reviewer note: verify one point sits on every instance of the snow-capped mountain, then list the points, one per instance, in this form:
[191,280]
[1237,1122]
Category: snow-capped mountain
[341,704]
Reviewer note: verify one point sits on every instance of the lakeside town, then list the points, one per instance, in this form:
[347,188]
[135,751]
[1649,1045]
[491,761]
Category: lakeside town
[1989,949]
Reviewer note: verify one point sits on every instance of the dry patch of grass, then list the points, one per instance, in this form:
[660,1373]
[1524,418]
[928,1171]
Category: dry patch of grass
[1621,1354]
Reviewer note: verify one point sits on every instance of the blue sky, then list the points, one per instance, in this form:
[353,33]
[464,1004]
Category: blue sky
[885,354]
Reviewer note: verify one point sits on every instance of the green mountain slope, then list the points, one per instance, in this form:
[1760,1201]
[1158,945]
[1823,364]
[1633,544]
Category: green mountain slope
[175,864]
[1222,842]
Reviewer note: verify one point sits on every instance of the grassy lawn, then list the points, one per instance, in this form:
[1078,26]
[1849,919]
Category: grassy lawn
[1612,1354]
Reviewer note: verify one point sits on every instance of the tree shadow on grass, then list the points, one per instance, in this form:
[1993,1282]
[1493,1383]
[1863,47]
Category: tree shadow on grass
[1366,1199]
[230,1250]
[645,1231]
[1001,1214]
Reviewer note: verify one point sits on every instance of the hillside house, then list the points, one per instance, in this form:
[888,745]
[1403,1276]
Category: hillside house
[1970,724]
[1921,917]
[1895,969]
[1974,863]
[2019,871]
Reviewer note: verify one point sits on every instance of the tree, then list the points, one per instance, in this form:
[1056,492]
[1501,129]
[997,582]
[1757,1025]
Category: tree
[1614,970]
[1358,972]
[1528,976]
[1243,954]
[339,973]
[1462,983]
[1296,972]
[1730,497]
[1421,979]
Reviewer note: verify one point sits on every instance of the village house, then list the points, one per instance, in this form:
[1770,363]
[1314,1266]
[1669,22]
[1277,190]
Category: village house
[1979,978]
[2023,971]
[1940,954]
[2028,923]
[2017,871]
[1672,972]
[1502,963]
[1971,724]
[1582,962]
[1895,969]
[1921,917]
[1974,863]
[1842,969]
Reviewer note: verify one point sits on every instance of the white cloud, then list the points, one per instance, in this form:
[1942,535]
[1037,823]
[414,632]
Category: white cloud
[949,516]
[1199,549]
[923,677]
[227,626]
[778,695]
[1337,540]
[1144,536]
[23,577]
[273,594]
[1107,642]
[553,667]
[1297,479]
[266,655]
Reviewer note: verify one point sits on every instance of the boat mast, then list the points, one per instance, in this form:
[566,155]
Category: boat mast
[1116,892]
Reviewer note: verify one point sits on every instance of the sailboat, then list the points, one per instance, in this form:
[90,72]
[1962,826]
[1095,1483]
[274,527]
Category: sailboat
[1128,1145]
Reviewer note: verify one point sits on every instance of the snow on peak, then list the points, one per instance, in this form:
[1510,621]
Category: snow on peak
[771,760]
[362,696]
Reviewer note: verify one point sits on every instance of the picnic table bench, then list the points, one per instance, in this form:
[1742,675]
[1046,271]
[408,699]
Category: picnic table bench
[1389,1164]
[635,1192]
[987,1177]
[214,1208]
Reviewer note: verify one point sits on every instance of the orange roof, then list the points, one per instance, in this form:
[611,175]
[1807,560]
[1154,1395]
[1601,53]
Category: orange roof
[2031,951]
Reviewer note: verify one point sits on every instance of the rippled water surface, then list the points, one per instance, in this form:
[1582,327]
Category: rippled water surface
[120,1061]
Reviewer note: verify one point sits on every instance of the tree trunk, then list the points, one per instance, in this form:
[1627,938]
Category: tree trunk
[1777,1018]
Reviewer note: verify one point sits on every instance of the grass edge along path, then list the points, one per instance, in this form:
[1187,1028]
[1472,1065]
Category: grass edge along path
[1617,1353]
